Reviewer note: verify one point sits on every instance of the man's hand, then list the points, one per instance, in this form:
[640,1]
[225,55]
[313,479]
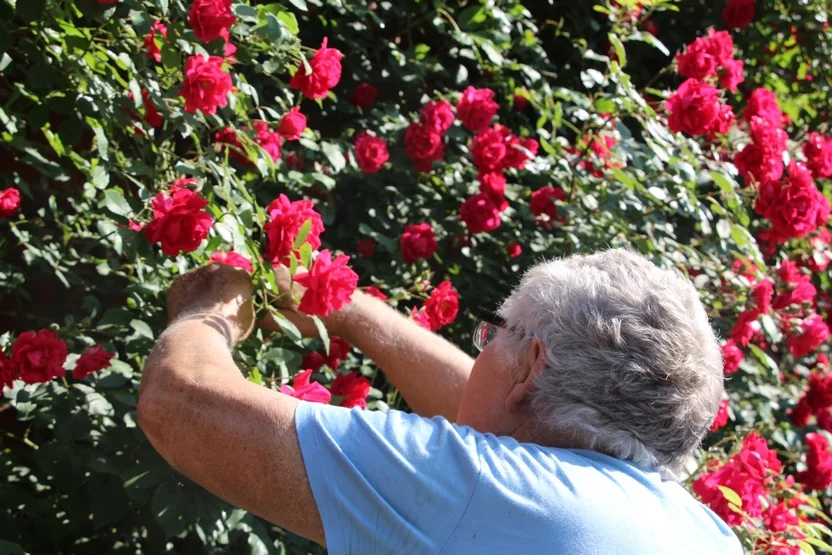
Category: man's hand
[216,290]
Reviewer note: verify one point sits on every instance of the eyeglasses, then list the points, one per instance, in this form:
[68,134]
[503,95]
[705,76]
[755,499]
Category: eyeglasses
[485,332]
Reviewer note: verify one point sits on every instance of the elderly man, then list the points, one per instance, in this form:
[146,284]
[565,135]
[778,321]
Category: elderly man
[563,436]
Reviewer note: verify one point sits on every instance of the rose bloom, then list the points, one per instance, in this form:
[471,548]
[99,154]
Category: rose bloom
[183,183]
[179,221]
[153,50]
[9,202]
[206,85]
[325,72]
[818,474]
[417,242]
[814,333]
[488,149]
[739,13]
[514,249]
[92,360]
[438,115]
[476,108]
[209,18]
[234,259]
[370,152]
[694,108]
[493,185]
[286,218]
[313,361]
[363,96]
[292,124]
[442,306]
[763,103]
[721,46]
[520,102]
[543,207]
[795,208]
[803,292]
[329,285]
[818,152]
[338,351]
[790,272]
[39,357]
[721,418]
[761,295]
[366,248]
[7,373]
[517,157]
[268,139]
[424,146]
[375,292]
[353,387]
[752,161]
[731,74]
[732,357]
[420,317]
[479,214]
[698,60]
[303,390]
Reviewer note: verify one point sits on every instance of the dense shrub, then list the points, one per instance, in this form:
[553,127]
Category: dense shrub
[443,148]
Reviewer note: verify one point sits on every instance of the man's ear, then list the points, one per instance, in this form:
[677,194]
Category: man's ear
[529,366]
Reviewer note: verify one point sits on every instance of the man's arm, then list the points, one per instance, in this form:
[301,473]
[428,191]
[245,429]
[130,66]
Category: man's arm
[234,438]
[429,371]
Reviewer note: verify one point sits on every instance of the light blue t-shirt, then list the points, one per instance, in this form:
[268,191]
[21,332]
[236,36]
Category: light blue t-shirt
[399,483]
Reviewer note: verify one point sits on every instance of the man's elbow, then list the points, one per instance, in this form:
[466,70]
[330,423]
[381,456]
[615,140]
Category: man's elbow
[155,412]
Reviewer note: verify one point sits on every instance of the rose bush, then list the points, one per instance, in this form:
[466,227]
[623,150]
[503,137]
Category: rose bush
[427,153]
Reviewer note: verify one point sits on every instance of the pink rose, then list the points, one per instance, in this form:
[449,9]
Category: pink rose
[209,18]
[179,222]
[324,74]
[813,332]
[476,108]
[370,152]
[479,214]
[424,146]
[286,219]
[329,285]
[303,390]
[442,306]
[438,115]
[206,85]
[9,202]
[292,124]
[234,259]
[694,108]
[417,242]
[153,50]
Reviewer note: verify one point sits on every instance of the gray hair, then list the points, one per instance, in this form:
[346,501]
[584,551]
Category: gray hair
[632,366]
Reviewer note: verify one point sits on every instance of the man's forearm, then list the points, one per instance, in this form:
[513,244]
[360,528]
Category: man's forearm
[429,371]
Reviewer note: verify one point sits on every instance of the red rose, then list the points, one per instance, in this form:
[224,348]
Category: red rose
[209,18]
[375,292]
[752,161]
[325,72]
[488,149]
[814,332]
[232,258]
[370,152]
[292,124]
[721,46]
[442,306]
[479,214]
[206,85]
[229,138]
[520,102]
[338,350]
[514,249]
[438,115]
[543,207]
[818,152]
[493,185]
[739,13]
[424,146]
[731,74]
[417,242]
[93,360]
[420,317]
[520,151]
[9,202]
[286,218]
[366,248]
[795,208]
[476,108]
[763,104]
[721,418]
[353,387]
[329,284]
[305,390]
[694,108]
[7,373]
[153,50]
[183,183]
[818,473]
[761,295]
[769,136]
[312,361]
[698,60]
[39,357]
[790,273]
[803,292]
[179,221]
[268,139]
[363,95]
[732,356]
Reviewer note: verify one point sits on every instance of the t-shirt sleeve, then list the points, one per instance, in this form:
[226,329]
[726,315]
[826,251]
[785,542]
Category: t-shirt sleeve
[386,482]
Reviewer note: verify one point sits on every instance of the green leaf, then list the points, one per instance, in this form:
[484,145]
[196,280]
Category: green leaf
[806,548]
[299,4]
[274,30]
[142,328]
[725,183]
[171,58]
[306,255]
[115,203]
[335,156]
[303,233]
[322,332]
[242,10]
[731,496]
[255,376]
[291,330]
[619,49]
[290,21]
[9,548]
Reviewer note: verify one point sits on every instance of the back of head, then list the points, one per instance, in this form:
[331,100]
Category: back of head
[633,368]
